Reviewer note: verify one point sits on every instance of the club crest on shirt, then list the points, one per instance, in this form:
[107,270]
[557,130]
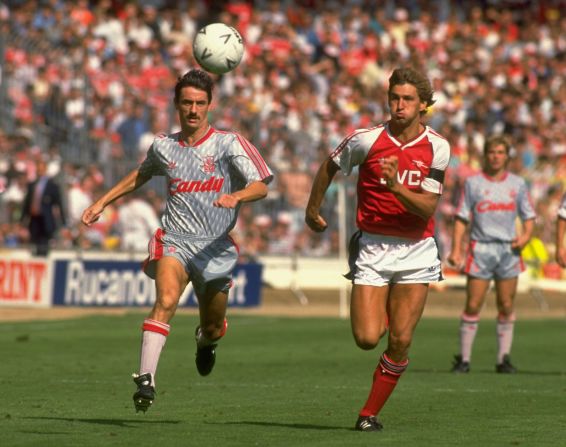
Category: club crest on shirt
[208,166]
[171,165]
[419,164]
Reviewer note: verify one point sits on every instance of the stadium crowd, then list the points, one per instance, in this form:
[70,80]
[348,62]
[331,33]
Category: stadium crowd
[313,71]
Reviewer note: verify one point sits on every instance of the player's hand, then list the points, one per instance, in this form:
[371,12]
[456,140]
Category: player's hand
[316,222]
[519,243]
[454,261]
[389,167]
[226,201]
[91,214]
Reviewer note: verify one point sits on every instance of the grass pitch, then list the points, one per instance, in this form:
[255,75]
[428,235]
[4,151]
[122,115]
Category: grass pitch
[277,382]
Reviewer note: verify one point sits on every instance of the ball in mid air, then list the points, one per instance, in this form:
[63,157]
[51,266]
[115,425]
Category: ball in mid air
[218,48]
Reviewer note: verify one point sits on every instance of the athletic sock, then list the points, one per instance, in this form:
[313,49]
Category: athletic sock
[468,331]
[203,340]
[385,379]
[505,328]
[154,336]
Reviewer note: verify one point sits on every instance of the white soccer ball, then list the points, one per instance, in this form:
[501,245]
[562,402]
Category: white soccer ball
[218,48]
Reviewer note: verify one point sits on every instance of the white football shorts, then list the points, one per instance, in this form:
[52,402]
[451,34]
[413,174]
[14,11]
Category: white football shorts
[383,260]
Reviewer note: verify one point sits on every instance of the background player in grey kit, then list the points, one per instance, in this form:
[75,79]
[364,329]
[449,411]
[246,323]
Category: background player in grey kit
[210,173]
[560,232]
[493,200]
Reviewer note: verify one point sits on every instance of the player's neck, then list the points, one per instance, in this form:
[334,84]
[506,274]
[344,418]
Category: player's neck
[495,174]
[405,133]
[191,136]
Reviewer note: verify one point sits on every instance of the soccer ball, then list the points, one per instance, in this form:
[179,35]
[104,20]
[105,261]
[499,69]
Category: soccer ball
[218,48]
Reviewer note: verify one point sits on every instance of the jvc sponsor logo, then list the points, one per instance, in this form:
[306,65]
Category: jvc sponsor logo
[411,178]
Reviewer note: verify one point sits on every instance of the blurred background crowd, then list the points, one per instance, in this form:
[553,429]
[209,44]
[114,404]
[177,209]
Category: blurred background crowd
[86,85]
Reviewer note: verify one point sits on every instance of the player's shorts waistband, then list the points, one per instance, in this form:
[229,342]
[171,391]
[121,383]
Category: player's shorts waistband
[391,239]
[194,237]
[491,241]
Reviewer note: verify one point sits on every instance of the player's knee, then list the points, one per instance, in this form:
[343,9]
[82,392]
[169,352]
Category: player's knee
[399,343]
[366,341]
[506,314]
[472,310]
[366,345]
[167,301]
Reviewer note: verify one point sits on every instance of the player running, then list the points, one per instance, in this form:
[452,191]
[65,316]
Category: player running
[209,175]
[491,202]
[393,256]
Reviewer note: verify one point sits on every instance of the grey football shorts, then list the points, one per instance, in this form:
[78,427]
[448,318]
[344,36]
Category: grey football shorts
[208,262]
[493,260]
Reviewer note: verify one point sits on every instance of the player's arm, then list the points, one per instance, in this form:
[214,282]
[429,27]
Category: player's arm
[560,248]
[129,183]
[523,239]
[422,203]
[322,181]
[254,191]
[455,256]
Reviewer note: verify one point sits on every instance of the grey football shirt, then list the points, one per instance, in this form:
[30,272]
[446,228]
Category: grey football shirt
[219,163]
[493,206]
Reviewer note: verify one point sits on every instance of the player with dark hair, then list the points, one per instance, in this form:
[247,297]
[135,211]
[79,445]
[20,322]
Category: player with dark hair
[393,256]
[209,173]
[560,232]
[491,202]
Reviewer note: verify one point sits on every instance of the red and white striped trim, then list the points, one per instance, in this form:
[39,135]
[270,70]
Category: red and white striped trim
[391,367]
[156,326]
[467,318]
[156,245]
[236,246]
[346,140]
[255,156]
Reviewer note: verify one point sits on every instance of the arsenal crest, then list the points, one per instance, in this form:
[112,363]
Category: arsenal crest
[208,165]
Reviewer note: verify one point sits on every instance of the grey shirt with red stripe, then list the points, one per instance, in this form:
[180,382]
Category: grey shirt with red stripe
[494,206]
[219,163]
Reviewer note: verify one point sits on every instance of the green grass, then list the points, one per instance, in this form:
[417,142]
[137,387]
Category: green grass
[277,382]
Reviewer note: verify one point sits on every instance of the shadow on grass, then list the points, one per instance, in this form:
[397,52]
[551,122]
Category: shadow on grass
[97,421]
[286,425]
[521,372]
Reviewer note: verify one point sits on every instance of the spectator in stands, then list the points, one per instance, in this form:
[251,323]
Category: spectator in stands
[42,210]
[137,221]
[309,69]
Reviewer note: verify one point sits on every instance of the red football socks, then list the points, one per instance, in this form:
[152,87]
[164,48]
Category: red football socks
[385,379]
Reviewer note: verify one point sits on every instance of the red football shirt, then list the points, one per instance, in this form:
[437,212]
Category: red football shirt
[422,163]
